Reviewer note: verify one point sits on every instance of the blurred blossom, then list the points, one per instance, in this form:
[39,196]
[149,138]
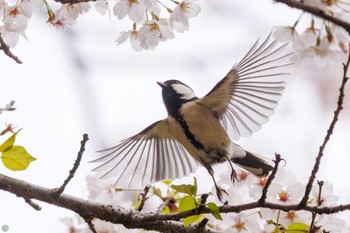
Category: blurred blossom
[286,34]
[102,7]
[242,222]
[331,223]
[320,53]
[327,196]
[285,218]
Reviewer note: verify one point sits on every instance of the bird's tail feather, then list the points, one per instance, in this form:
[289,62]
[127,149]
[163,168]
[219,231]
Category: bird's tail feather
[253,164]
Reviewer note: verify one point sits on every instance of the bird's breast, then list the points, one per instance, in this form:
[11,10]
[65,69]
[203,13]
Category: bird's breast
[201,133]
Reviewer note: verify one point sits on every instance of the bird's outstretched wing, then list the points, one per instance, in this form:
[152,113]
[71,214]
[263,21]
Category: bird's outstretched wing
[150,156]
[247,96]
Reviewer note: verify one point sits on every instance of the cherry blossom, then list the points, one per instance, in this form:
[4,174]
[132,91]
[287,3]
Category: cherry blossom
[179,17]
[135,9]
[132,35]
[287,33]
[10,38]
[3,7]
[327,197]
[154,31]
[15,20]
[242,222]
[102,7]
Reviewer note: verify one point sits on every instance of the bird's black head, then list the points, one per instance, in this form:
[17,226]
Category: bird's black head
[175,94]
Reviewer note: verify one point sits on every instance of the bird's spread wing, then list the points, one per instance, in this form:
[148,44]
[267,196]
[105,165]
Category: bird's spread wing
[149,156]
[246,97]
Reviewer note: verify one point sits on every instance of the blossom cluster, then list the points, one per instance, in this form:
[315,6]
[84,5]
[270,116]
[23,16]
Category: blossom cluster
[284,190]
[147,14]
[322,40]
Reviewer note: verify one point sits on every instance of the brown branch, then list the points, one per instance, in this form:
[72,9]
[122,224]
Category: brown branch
[136,219]
[316,12]
[315,169]
[58,191]
[4,47]
[269,180]
[90,210]
[143,197]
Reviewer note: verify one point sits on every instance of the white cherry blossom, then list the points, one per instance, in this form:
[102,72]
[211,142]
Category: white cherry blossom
[3,7]
[182,12]
[15,20]
[135,9]
[102,7]
[327,197]
[132,35]
[154,31]
[10,38]
[242,222]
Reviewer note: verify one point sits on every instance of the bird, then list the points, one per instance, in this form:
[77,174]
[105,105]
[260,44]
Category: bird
[198,131]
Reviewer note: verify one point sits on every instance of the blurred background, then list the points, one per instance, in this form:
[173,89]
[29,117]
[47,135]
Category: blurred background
[77,81]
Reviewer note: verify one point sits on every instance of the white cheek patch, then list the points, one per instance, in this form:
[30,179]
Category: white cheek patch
[185,91]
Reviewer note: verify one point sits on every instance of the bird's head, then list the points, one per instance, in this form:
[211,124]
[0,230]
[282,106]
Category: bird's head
[175,94]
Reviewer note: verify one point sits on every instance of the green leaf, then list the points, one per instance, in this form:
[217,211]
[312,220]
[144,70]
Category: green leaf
[193,219]
[214,209]
[298,227]
[187,188]
[166,182]
[16,158]
[166,210]
[186,203]
[9,142]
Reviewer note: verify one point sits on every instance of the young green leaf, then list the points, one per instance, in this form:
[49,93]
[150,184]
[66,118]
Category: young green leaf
[187,188]
[16,158]
[193,219]
[298,227]
[9,142]
[214,209]
[186,203]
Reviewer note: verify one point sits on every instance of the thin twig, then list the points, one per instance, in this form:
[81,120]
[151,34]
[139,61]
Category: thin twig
[60,190]
[277,160]
[315,169]
[319,203]
[316,12]
[91,225]
[8,107]
[143,197]
[4,47]
[32,204]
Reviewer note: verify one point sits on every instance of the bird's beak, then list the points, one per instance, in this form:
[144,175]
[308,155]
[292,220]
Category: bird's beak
[162,85]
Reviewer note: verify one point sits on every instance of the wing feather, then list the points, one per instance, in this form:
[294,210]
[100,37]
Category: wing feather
[247,96]
[150,156]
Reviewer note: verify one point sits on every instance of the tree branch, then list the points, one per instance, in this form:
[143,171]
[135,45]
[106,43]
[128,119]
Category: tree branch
[316,12]
[136,219]
[58,191]
[308,188]
[7,51]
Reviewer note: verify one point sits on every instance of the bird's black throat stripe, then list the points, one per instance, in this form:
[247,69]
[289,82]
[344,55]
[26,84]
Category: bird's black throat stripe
[189,134]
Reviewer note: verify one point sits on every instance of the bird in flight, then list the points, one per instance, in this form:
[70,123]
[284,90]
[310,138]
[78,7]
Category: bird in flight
[197,130]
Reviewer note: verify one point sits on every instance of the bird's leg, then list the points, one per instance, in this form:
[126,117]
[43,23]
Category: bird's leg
[233,172]
[219,191]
